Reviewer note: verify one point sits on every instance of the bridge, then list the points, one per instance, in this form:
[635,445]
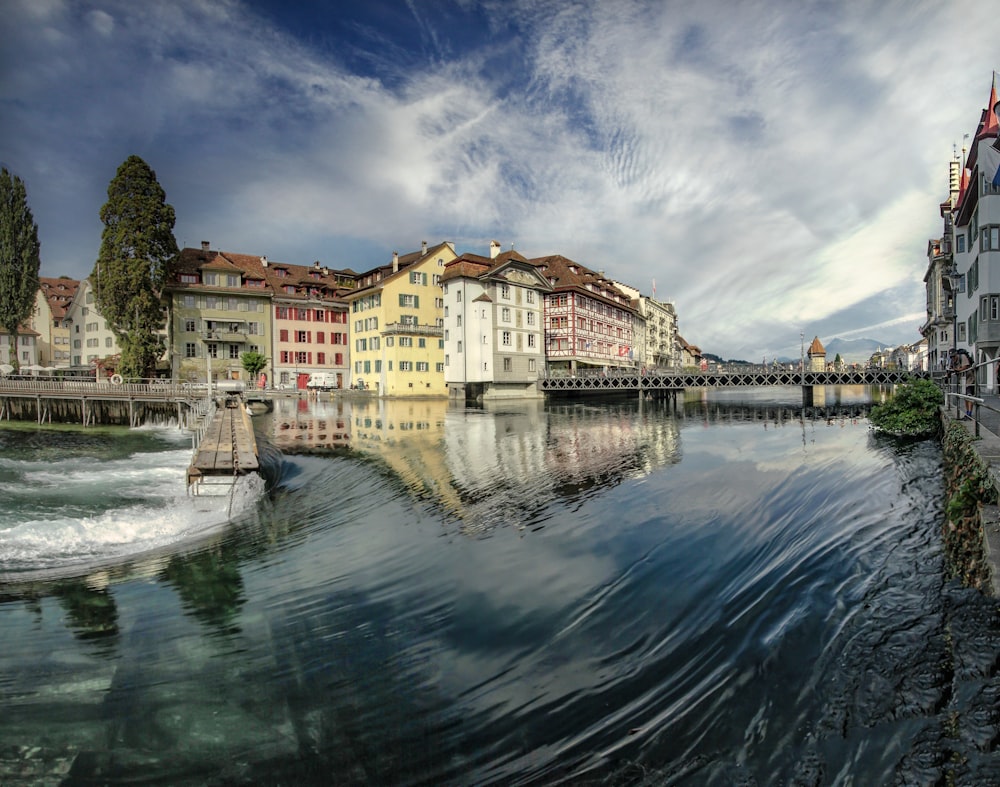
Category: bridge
[661,382]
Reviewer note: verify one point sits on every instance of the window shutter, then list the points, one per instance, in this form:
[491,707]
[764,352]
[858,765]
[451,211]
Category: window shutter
[416,301]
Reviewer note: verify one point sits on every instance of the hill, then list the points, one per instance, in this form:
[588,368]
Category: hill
[853,350]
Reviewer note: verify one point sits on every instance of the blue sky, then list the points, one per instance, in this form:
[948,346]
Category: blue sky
[776,167]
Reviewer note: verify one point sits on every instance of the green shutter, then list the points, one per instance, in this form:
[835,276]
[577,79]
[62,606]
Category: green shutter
[416,301]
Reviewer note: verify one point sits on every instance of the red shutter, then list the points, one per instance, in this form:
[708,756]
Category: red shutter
[283,335]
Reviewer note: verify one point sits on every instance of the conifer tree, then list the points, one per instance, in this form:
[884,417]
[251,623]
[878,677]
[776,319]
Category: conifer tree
[19,259]
[137,245]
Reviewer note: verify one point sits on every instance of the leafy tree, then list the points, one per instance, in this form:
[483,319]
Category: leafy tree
[137,245]
[253,362]
[19,258]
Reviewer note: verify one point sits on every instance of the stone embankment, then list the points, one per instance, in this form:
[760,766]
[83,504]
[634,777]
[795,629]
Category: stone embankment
[972,479]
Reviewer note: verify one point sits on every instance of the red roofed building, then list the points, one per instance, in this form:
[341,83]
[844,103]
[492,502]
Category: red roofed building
[589,322]
[52,302]
[977,247]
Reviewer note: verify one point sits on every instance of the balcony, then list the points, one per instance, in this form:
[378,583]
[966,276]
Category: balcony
[398,328]
[220,335]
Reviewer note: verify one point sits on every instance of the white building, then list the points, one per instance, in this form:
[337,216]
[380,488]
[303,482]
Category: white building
[977,247]
[493,326]
[655,331]
[90,338]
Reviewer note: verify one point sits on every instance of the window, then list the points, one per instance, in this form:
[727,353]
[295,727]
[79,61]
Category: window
[302,314]
[458,296]
[108,341]
[234,352]
[319,315]
[505,314]
[439,367]
[508,365]
[989,240]
[321,358]
[505,292]
[188,278]
[530,296]
[459,347]
[416,277]
[320,337]
[283,335]
[232,280]
[531,364]
[408,301]
[408,319]
[213,350]
[190,350]
[390,341]
[421,342]
[302,336]
[209,278]
[531,318]
[281,312]
[190,326]
[188,301]
[423,366]
[960,244]
[506,338]
[406,366]
[405,341]
[531,339]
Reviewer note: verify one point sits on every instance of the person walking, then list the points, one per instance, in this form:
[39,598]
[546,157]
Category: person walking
[965,374]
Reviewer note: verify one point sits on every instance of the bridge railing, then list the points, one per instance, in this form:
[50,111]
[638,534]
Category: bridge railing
[81,386]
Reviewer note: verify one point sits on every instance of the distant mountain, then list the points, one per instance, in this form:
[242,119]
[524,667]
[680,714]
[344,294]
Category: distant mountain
[853,350]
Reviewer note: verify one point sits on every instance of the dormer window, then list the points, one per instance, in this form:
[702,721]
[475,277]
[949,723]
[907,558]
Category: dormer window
[281,272]
[290,289]
[189,278]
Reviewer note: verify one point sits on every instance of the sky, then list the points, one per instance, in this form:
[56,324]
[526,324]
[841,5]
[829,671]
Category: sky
[773,168]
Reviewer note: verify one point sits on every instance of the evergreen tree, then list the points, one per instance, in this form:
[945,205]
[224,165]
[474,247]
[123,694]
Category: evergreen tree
[137,245]
[19,259]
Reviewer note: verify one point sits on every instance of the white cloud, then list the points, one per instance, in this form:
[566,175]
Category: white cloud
[769,166]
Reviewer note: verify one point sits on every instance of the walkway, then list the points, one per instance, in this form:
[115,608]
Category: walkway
[227,449]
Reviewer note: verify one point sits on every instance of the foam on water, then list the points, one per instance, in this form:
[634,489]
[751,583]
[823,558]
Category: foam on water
[79,509]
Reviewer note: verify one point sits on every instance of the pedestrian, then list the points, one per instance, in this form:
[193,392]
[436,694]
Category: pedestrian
[965,373]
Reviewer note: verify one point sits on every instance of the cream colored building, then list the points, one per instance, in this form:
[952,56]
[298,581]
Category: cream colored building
[52,301]
[90,338]
[397,325]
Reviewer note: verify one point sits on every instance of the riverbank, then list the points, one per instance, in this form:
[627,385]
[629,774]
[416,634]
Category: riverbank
[986,446]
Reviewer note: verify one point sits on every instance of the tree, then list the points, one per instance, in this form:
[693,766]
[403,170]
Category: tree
[253,362]
[137,245]
[19,259]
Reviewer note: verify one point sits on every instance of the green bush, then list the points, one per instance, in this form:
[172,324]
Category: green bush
[913,410]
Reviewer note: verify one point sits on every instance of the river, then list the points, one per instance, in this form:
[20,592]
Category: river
[585,593]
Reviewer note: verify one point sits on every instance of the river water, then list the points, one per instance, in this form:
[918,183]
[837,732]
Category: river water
[596,593]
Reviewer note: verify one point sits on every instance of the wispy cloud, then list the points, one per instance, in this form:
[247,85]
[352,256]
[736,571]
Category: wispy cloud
[773,166]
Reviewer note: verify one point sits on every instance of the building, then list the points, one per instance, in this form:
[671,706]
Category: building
[655,331]
[976,220]
[216,312]
[493,326]
[817,356]
[940,281]
[92,342]
[26,351]
[52,301]
[589,322]
[397,324]
[690,355]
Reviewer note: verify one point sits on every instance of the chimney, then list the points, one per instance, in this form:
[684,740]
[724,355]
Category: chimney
[316,265]
[395,262]
[205,245]
[263,261]
[494,249]
[423,248]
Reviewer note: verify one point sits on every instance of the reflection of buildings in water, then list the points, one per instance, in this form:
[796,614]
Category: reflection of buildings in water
[512,459]
[491,466]
[305,425]
[407,435]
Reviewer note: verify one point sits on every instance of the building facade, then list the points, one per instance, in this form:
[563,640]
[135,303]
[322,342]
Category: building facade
[655,330]
[976,221]
[397,325]
[940,282]
[216,312]
[589,322]
[92,342]
[52,302]
[493,326]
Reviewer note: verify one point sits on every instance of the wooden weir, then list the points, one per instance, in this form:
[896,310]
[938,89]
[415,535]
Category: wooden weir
[226,450]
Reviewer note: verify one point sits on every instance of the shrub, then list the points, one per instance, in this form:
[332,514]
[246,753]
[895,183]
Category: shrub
[913,410]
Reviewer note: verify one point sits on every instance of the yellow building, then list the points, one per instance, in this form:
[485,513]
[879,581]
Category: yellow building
[52,302]
[397,325]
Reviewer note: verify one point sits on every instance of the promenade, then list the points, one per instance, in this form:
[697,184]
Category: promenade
[986,427]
